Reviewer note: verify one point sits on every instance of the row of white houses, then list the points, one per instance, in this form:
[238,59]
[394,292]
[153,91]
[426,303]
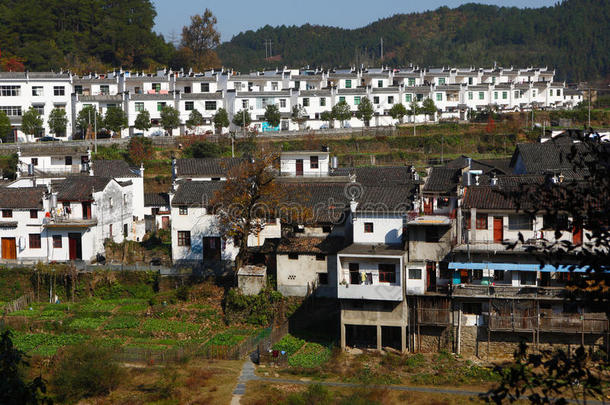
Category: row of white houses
[455,92]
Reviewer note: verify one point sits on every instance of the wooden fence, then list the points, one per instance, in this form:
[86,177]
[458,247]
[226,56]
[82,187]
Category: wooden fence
[19,304]
[588,323]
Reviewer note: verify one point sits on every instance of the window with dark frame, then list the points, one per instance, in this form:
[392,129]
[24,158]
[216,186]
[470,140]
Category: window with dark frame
[368,227]
[35,242]
[414,274]
[471,308]
[183,210]
[520,222]
[68,160]
[313,162]
[354,273]
[387,273]
[59,91]
[205,87]
[35,161]
[56,241]
[320,257]
[293,256]
[498,275]
[7,213]
[432,234]
[184,238]
[322,278]
[34,214]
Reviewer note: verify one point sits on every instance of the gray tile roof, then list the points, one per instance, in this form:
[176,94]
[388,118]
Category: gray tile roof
[156,200]
[541,158]
[393,199]
[206,167]
[112,168]
[196,193]
[442,180]
[22,197]
[378,175]
[80,188]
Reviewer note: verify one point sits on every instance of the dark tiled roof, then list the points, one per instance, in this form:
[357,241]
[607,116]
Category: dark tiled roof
[442,180]
[540,158]
[384,199]
[196,193]
[311,245]
[487,197]
[498,165]
[326,202]
[378,175]
[22,197]
[206,167]
[156,199]
[112,168]
[80,188]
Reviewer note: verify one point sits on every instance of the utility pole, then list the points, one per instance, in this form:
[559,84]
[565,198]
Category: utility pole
[243,122]
[266,55]
[589,120]
[381,48]
[95,130]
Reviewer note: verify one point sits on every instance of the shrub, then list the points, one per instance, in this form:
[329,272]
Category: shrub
[289,344]
[182,293]
[253,309]
[315,394]
[313,355]
[86,371]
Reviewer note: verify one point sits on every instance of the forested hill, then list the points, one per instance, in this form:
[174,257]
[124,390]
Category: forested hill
[573,36]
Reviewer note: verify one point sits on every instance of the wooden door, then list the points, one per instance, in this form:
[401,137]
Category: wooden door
[498,229]
[75,246]
[430,276]
[165,222]
[211,248]
[428,206]
[86,210]
[299,167]
[9,249]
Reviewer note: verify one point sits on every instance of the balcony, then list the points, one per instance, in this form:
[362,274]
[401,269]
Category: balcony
[560,323]
[381,292]
[508,291]
[68,221]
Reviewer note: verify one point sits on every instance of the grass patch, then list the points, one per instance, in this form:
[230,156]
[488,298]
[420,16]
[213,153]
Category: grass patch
[311,356]
[122,322]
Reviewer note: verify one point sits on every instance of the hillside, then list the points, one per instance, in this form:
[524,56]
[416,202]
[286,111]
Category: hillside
[573,36]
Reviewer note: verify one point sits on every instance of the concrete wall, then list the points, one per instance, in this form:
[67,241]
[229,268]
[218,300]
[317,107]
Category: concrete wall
[300,277]
[386,228]
[251,285]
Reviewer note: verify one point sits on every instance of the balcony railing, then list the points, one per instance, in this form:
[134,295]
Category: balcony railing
[69,221]
[507,291]
[587,323]
[381,291]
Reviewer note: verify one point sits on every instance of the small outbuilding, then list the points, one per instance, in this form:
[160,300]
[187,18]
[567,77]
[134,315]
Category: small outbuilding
[252,279]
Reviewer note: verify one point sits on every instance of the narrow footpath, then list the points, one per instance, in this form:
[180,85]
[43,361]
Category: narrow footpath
[247,374]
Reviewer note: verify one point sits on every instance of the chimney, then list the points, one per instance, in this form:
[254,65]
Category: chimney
[494,180]
[142,169]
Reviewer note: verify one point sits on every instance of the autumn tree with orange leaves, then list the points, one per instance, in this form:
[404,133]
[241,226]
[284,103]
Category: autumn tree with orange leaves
[199,41]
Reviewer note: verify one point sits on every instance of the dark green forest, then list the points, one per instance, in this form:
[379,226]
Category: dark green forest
[92,35]
[573,36]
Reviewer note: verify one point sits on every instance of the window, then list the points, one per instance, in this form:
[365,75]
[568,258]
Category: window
[306,102]
[56,241]
[470,95]
[189,105]
[368,227]
[533,92]
[282,103]
[341,99]
[481,221]
[348,84]
[7,213]
[555,222]
[244,104]
[471,308]
[184,238]
[439,96]
[432,234]
[414,274]
[390,99]
[35,241]
[516,95]
[320,257]
[205,87]
[495,95]
[125,230]
[35,161]
[322,101]
[481,95]
[237,86]
[379,83]
[183,210]
[504,95]
[109,202]
[558,92]
[59,91]
[441,80]
[210,105]
[156,87]
[297,84]
[470,80]
[419,96]
[326,228]
[357,100]
[39,90]
[104,89]
[493,80]
[293,256]
[520,223]
[408,98]
[313,162]
[8,91]
[387,273]
[322,278]
[187,89]
[274,86]
[33,214]
[411,81]
[354,273]
[160,105]
[375,99]
[139,106]
[498,275]
[528,277]
[11,111]
[68,160]
[39,108]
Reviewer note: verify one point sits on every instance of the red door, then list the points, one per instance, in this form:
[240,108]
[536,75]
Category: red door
[577,236]
[299,167]
[75,246]
[86,210]
[428,204]
[498,230]
[165,222]
[9,248]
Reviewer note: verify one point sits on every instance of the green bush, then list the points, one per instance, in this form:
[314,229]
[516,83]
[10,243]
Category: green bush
[122,322]
[86,371]
[314,394]
[253,309]
[289,344]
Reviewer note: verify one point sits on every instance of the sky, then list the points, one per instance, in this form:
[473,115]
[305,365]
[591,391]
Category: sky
[242,15]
